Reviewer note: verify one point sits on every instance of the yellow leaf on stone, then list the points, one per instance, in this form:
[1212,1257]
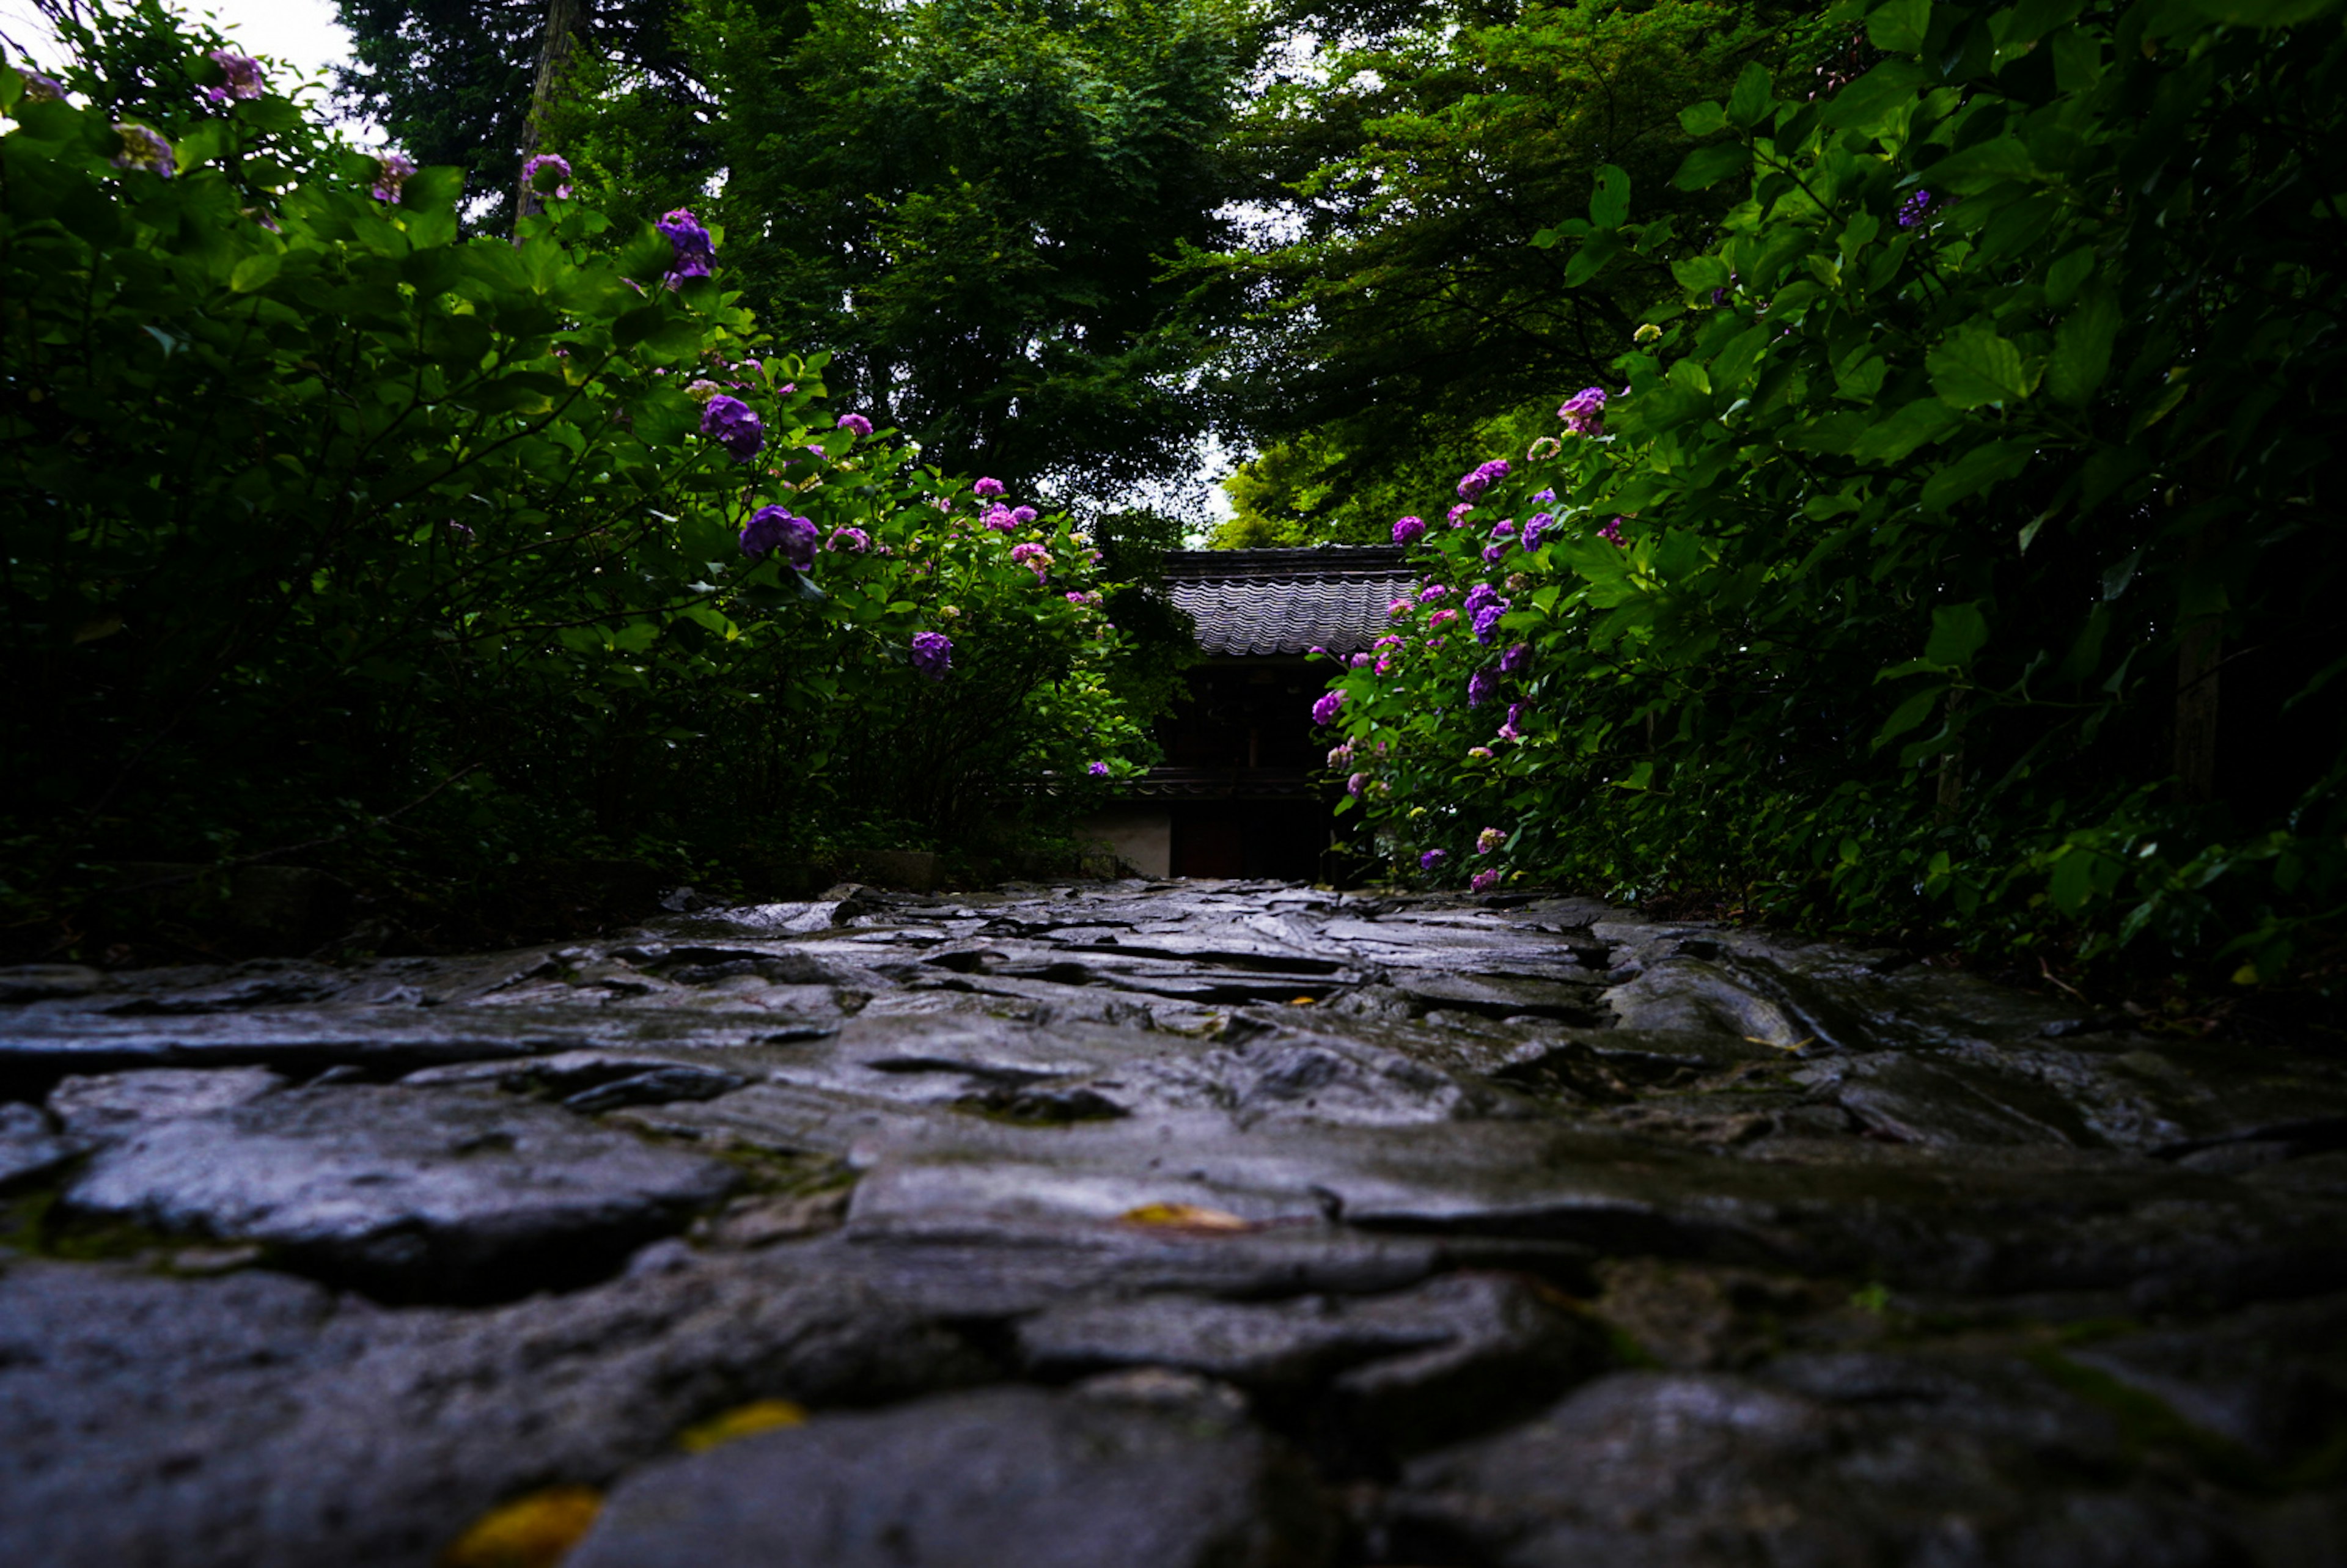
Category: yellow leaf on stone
[1301,1002]
[533,1532]
[744,1421]
[1185,1216]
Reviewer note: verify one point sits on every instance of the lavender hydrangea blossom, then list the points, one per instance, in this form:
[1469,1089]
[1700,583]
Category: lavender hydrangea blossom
[1585,412]
[855,424]
[932,653]
[41,89]
[1324,711]
[855,541]
[1915,208]
[392,172]
[730,422]
[1098,770]
[1483,881]
[1433,859]
[547,174]
[1481,687]
[1409,530]
[695,252]
[144,148]
[1516,659]
[985,487]
[243,73]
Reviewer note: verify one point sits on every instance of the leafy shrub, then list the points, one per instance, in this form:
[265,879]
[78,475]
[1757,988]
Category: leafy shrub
[315,512]
[1896,580]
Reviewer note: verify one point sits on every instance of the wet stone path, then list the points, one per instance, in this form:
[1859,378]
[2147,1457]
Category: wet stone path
[1170,1226]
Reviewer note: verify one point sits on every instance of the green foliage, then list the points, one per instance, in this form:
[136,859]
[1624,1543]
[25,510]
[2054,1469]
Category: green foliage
[970,204]
[1454,191]
[1940,515]
[314,512]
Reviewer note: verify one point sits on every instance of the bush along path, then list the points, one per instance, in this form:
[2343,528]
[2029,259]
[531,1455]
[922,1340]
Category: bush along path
[1159,1224]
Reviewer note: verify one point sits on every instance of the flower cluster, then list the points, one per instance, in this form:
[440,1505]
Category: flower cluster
[730,422]
[1612,534]
[694,252]
[932,653]
[1484,607]
[1433,859]
[1585,412]
[772,528]
[41,89]
[1324,712]
[855,424]
[547,174]
[1483,881]
[1033,556]
[986,487]
[243,73]
[392,171]
[853,540]
[1409,530]
[143,147]
[1481,687]
[1471,487]
[1535,526]
[1490,839]
[1915,208]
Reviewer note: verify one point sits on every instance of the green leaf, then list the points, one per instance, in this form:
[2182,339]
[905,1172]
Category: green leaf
[2065,277]
[1702,120]
[1870,102]
[1973,472]
[428,189]
[1610,201]
[2082,348]
[1750,101]
[1974,367]
[1907,715]
[1958,631]
[2262,12]
[1976,168]
[1707,166]
[1701,273]
[1898,28]
[1924,420]
[255,271]
[1597,251]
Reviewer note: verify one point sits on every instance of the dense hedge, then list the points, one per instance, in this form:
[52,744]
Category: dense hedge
[315,515]
[1959,546]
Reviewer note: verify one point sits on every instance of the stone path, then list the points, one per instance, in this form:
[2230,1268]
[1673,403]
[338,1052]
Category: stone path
[1177,1226]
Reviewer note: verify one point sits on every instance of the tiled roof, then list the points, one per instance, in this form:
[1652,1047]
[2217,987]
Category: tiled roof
[1288,602]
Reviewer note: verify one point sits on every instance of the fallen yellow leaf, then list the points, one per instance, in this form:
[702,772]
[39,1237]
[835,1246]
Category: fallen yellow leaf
[1185,1216]
[1779,1045]
[532,1532]
[744,1421]
[1301,1002]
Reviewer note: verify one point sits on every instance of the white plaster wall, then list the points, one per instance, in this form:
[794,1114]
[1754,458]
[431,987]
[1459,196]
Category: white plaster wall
[1140,836]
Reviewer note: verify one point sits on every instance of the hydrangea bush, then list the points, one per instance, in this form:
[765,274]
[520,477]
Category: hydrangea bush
[1894,580]
[316,514]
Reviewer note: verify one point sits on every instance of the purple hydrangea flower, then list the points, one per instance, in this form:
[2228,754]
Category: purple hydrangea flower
[391,173]
[1433,859]
[1390,641]
[986,487]
[1612,533]
[695,252]
[1324,711]
[1480,597]
[1494,554]
[1339,754]
[855,424]
[932,653]
[1409,530]
[143,147]
[41,89]
[1487,622]
[547,174]
[1002,519]
[1433,591]
[855,541]
[1098,770]
[243,73]
[1504,529]
[1516,659]
[1362,660]
[1516,712]
[1490,839]
[1471,487]
[774,528]
[729,422]
[1481,687]
[1483,881]
[1545,496]
[1440,618]
[1585,412]
[1396,607]
[1457,516]
[1481,754]
[1357,784]
[1913,211]
[1537,525]
[1022,515]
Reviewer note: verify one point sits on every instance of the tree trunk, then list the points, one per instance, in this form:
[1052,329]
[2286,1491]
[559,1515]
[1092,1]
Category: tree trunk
[2195,711]
[557,45]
